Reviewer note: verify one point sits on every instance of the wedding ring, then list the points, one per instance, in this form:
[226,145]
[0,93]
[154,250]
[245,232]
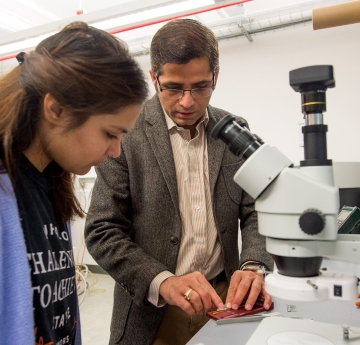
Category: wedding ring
[186,295]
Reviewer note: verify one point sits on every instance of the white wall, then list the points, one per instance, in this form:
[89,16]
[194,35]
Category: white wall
[7,65]
[84,186]
[254,83]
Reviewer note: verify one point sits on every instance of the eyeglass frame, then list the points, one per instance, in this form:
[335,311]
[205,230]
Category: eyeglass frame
[213,86]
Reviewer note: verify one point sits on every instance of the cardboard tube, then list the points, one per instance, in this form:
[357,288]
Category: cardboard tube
[336,15]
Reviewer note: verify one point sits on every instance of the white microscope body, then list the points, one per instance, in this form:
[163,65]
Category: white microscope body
[297,206]
[292,193]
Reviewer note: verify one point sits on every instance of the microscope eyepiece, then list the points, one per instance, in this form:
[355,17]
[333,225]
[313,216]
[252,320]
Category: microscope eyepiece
[237,137]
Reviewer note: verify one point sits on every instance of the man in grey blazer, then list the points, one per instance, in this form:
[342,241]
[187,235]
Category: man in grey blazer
[164,216]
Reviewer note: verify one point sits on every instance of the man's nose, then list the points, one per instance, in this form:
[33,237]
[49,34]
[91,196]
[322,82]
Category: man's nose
[187,99]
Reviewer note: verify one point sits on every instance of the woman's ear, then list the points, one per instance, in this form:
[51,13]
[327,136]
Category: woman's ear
[54,113]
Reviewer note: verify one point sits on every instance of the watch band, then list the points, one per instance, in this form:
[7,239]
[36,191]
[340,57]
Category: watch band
[253,266]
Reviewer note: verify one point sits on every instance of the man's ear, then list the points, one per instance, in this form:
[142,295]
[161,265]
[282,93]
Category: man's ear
[54,113]
[217,75]
[153,77]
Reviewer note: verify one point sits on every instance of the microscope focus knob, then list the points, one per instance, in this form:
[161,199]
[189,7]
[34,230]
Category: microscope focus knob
[312,221]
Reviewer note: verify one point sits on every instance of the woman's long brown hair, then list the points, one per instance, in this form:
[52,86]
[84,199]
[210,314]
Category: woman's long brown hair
[89,72]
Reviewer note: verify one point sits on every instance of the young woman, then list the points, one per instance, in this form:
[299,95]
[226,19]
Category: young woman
[63,110]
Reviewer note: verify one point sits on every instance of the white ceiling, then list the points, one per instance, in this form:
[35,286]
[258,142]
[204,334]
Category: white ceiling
[21,19]
[33,13]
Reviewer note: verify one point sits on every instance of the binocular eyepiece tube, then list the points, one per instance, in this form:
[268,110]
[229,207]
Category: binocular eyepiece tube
[236,136]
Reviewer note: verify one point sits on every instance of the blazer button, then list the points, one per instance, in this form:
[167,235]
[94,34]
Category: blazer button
[174,240]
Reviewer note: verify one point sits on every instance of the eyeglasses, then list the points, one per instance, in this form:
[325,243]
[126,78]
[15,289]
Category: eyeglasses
[199,92]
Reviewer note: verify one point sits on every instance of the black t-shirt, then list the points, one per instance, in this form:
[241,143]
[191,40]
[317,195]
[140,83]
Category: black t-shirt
[51,260]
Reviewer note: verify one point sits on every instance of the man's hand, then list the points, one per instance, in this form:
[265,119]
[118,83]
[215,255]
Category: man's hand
[246,285]
[202,295]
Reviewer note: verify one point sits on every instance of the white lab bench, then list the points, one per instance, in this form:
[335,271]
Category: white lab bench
[329,311]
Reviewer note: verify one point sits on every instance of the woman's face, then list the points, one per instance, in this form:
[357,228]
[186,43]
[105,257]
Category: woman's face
[90,144]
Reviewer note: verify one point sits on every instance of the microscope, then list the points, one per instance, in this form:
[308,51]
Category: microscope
[297,206]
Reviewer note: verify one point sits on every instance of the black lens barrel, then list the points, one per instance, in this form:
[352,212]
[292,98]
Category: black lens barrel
[313,101]
[315,148]
[312,82]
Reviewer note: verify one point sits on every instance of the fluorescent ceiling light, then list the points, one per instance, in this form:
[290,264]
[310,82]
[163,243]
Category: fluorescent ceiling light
[136,17]
[38,8]
[154,13]
[10,22]
[23,45]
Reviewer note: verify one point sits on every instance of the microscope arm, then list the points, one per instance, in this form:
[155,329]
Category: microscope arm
[345,248]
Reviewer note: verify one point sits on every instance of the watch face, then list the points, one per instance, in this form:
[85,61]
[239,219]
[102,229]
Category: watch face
[252,267]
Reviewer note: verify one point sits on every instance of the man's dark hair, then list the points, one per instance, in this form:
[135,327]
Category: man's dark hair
[182,40]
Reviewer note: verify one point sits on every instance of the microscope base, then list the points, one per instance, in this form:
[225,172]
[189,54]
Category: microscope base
[328,285]
[282,330]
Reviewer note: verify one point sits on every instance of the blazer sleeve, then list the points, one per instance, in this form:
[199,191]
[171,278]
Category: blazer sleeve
[253,244]
[108,232]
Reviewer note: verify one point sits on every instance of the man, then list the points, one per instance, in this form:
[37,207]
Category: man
[163,220]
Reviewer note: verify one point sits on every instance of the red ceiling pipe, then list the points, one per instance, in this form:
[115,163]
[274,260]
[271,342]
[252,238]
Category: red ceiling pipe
[116,31]
[8,57]
[3,58]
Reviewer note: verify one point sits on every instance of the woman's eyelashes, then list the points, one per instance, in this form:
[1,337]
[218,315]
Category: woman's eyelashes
[112,137]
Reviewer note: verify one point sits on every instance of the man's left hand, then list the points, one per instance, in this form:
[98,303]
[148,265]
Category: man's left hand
[246,285]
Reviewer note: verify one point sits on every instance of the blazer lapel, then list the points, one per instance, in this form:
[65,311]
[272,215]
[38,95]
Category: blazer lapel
[158,136]
[216,150]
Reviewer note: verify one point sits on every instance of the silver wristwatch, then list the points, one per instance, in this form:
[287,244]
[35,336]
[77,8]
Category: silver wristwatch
[254,267]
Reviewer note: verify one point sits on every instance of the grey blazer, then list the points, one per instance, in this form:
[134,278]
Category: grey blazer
[133,229]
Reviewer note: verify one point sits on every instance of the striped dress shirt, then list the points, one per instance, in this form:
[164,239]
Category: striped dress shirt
[200,249]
